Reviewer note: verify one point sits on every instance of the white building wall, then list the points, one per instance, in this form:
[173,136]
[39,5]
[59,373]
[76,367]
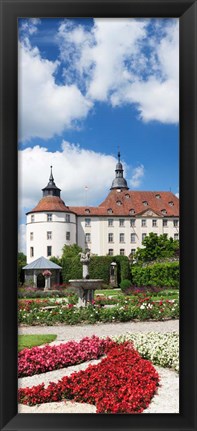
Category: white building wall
[58,228]
[99,232]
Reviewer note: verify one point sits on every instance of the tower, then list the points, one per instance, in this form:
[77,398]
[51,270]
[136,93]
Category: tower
[50,225]
[119,181]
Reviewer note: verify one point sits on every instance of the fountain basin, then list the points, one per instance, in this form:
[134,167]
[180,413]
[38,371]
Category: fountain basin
[85,289]
[87,284]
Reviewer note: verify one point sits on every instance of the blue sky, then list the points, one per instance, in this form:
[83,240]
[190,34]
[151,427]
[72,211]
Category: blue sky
[87,87]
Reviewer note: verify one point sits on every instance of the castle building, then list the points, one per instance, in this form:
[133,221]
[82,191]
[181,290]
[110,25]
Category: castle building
[116,227]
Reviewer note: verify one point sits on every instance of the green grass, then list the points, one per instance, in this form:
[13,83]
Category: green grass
[29,341]
[109,292]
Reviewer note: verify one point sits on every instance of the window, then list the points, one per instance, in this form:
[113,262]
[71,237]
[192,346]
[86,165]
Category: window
[31,236]
[132,211]
[110,211]
[127,196]
[49,250]
[176,223]
[164,211]
[171,203]
[132,222]
[158,196]
[67,218]
[176,236]
[154,223]
[87,237]
[121,222]
[145,203]
[119,203]
[110,252]
[110,237]
[143,222]
[133,239]
[87,222]
[32,218]
[165,223]
[121,237]
[122,252]
[87,211]
[31,252]
[67,236]
[49,217]
[110,222]
[132,251]
[143,236]
[49,235]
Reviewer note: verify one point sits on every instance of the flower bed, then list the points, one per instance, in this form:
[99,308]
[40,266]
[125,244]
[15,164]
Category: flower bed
[161,349]
[42,359]
[139,307]
[122,382]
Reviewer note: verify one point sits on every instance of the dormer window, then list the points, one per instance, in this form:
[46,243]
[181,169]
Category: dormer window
[87,211]
[158,196]
[164,211]
[119,203]
[145,203]
[110,211]
[132,211]
[171,203]
[127,196]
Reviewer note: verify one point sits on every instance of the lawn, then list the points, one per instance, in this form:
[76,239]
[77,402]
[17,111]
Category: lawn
[28,341]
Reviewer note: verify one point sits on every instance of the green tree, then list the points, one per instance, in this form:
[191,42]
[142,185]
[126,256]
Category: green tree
[22,261]
[71,251]
[157,247]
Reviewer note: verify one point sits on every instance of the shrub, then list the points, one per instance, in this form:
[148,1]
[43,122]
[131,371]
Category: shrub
[158,274]
[125,284]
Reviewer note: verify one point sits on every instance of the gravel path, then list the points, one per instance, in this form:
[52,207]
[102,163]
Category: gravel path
[76,332]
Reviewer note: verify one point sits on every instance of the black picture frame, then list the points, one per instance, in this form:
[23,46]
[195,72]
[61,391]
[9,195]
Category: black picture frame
[186,10]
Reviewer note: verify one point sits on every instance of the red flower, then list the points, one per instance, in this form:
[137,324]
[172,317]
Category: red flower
[122,382]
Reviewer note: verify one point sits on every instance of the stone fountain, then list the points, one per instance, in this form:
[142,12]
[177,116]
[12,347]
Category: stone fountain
[85,287]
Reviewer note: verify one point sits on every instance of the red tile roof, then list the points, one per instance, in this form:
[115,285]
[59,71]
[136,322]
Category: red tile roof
[122,202]
[50,203]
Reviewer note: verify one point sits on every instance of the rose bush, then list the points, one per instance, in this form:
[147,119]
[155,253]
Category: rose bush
[122,382]
[42,359]
[141,307]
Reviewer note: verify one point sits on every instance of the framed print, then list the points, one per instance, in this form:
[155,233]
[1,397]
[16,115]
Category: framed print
[98,106]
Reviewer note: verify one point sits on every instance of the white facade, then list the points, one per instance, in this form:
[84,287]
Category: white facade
[117,226]
[47,238]
[122,235]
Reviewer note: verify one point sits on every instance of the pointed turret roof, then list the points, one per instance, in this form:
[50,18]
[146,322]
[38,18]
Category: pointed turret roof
[51,189]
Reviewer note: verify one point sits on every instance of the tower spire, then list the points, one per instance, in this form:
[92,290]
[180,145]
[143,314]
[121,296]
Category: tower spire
[119,181]
[51,179]
[51,189]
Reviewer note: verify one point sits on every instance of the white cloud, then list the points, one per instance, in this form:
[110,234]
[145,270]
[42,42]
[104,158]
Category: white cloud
[137,176]
[30,26]
[45,108]
[122,61]
[73,169]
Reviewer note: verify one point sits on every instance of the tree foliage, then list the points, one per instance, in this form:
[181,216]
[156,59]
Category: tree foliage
[157,247]
[22,261]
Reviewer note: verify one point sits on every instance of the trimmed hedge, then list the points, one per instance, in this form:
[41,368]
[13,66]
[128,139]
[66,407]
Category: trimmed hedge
[158,274]
[99,267]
